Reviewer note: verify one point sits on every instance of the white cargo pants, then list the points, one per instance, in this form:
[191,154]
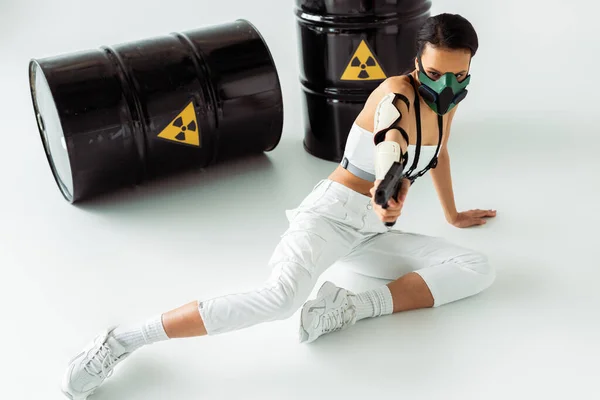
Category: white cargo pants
[336,224]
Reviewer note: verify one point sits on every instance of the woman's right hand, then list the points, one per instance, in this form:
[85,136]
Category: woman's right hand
[394,209]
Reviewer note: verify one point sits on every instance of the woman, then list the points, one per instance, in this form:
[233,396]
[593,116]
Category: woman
[339,222]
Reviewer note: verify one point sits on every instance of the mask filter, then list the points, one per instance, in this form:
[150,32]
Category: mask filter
[443,94]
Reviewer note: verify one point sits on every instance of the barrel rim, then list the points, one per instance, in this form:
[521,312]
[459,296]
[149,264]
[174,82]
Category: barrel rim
[35,67]
[281,119]
[358,21]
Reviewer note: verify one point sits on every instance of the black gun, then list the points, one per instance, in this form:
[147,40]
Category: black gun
[390,186]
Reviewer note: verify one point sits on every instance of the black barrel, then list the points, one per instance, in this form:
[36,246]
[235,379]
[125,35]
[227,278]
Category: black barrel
[347,48]
[118,116]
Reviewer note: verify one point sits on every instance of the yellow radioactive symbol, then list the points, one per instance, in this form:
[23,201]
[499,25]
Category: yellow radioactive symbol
[363,65]
[184,128]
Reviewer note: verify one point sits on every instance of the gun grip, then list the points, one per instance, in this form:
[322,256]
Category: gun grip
[390,224]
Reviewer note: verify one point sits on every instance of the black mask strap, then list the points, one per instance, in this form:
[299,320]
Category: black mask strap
[421,66]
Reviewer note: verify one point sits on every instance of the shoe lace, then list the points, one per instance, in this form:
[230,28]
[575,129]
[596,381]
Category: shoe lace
[337,319]
[102,363]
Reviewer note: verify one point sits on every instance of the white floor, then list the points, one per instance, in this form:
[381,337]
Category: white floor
[524,142]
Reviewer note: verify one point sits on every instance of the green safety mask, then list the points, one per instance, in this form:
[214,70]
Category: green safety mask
[444,94]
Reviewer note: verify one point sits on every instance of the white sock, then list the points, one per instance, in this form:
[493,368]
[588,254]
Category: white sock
[135,336]
[373,303]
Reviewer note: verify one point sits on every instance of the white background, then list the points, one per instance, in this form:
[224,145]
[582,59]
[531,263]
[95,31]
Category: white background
[525,142]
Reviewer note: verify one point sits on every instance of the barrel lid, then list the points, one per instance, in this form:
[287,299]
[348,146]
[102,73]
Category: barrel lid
[51,130]
[359,14]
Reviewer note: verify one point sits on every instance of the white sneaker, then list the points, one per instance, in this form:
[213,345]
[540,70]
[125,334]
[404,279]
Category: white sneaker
[332,310]
[88,370]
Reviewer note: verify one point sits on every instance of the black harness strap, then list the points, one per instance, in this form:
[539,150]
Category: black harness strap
[434,160]
[418,120]
[403,98]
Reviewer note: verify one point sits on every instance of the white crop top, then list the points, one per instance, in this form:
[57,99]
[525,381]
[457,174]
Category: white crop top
[360,151]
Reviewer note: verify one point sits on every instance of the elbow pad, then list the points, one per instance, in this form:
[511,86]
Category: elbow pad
[386,153]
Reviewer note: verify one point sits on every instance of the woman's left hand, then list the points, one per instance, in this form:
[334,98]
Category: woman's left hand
[469,218]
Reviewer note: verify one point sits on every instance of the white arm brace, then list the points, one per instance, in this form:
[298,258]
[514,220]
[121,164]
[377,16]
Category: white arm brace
[386,152]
